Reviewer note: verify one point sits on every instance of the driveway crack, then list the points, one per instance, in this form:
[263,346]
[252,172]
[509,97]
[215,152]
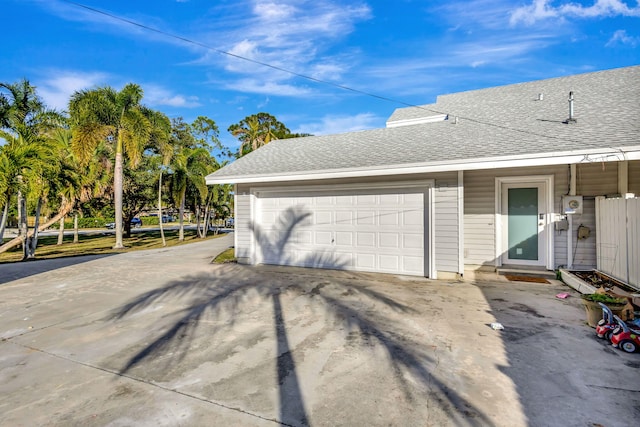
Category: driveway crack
[151,383]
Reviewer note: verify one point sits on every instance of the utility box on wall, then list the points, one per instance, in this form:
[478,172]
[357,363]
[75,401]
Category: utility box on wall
[572,205]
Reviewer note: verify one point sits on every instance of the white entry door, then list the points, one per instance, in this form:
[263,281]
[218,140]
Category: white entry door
[524,209]
[365,230]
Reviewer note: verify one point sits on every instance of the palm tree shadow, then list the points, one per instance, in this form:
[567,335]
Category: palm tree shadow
[223,293]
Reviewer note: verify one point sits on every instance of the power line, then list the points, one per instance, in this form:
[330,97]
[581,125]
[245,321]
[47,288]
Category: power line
[233,55]
[315,79]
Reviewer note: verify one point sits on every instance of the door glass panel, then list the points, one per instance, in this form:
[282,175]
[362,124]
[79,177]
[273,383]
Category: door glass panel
[522,211]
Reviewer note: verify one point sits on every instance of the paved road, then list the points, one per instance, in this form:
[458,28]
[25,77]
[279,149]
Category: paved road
[163,337]
[13,232]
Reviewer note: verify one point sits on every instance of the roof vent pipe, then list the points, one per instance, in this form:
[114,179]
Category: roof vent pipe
[540,96]
[571,119]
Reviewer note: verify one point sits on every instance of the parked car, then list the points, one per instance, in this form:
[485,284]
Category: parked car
[135,223]
[165,218]
[229,222]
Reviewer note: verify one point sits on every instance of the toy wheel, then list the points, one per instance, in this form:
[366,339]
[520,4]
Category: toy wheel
[628,346]
[600,322]
[608,334]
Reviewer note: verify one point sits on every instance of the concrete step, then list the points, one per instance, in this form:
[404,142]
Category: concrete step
[527,272]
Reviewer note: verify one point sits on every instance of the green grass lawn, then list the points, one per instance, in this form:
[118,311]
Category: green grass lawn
[227,256]
[96,244]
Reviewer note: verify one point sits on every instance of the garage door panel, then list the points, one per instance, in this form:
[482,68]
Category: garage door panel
[366,200]
[268,217]
[344,238]
[344,201]
[365,261]
[389,262]
[304,237]
[389,218]
[366,218]
[390,199]
[412,217]
[311,258]
[324,202]
[323,218]
[344,218]
[323,238]
[344,260]
[366,240]
[413,199]
[412,241]
[389,240]
[413,264]
[377,231]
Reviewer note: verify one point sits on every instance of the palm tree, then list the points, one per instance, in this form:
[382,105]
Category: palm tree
[190,166]
[103,114]
[257,130]
[191,161]
[27,160]
[78,183]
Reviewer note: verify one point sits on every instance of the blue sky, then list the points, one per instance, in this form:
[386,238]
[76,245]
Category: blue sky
[407,50]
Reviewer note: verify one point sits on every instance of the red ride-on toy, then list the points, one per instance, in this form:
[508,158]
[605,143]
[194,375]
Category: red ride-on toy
[607,324]
[625,337]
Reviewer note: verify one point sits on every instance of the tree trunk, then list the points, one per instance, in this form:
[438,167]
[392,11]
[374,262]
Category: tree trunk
[127,227]
[22,216]
[32,241]
[22,225]
[75,228]
[117,189]
[164,242]
[61,231]
[3,220]
[64,210]
[205,227]
[198,231]
[181,233]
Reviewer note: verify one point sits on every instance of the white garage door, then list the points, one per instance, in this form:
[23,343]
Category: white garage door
[380,231]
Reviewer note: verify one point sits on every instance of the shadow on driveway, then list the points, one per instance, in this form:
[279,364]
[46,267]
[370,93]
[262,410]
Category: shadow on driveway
[563,374]
[219,304]
[19,270]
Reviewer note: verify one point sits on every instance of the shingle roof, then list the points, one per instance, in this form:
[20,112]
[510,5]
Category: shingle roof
[495,123]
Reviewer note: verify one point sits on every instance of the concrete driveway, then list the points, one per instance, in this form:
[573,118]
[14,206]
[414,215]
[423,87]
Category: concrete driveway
[165,338]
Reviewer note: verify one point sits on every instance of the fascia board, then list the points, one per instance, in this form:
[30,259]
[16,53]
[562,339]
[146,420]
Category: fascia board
[542,159]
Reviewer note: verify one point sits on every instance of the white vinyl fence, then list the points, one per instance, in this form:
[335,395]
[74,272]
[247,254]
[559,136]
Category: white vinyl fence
[618,238]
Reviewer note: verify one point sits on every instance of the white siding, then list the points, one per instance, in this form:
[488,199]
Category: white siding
[584,254]
[597,179]
[634,177]
[479,217]
[446,223]
[243,221]
[479,211]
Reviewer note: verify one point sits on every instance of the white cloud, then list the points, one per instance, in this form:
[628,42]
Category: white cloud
[270,11]
[621,37]
[542,9]
[155,95]
[467,14]
[293,35]
[56,91]
[330,125]
[266,87]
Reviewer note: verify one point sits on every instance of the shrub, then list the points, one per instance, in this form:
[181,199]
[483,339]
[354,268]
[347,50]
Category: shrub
[149,220]
[86,222]
[604,298]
